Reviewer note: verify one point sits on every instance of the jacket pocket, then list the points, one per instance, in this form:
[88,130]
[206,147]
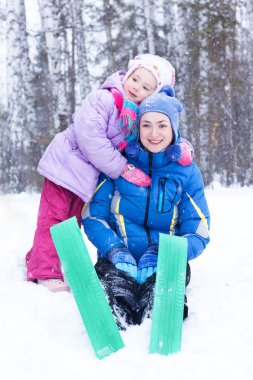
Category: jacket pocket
[168,194]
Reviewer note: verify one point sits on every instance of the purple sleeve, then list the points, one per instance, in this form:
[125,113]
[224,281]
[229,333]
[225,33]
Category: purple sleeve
[91,126]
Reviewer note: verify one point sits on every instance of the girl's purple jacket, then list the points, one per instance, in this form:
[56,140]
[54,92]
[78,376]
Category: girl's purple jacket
[76,156]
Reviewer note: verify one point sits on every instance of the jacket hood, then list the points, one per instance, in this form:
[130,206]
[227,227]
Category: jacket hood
[135,151]
[143,157]
[115,80]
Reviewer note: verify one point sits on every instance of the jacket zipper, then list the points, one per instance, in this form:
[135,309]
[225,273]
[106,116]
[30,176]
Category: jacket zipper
[161,195]
[150,157]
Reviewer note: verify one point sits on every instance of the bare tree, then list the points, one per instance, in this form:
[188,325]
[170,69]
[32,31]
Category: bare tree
[21,115]
[149,12]
[140,33]
[83,76]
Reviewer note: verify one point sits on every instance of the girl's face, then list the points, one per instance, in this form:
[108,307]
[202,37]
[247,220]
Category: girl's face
[139,85]
[156,133]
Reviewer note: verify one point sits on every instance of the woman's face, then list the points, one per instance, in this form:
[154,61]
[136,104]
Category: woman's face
[156,133]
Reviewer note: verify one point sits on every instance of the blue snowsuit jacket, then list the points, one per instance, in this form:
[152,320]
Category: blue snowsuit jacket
[123,213]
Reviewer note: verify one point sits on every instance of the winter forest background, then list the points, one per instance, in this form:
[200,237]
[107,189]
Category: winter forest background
[53,52]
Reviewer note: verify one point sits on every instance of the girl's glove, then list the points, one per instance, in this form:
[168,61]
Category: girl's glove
[147,264]
[181,152]
[123,260]
[136,176]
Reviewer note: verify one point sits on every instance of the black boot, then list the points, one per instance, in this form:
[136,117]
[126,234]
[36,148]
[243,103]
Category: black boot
[185,307]
[188,275]
[187,281]
[146,298]
[121,291]
[145,301]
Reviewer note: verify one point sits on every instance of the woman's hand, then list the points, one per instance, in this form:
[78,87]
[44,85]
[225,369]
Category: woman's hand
[123,260]
[147,264]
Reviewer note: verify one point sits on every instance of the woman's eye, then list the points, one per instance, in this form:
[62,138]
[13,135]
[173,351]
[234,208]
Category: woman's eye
[145,125]
[163,126]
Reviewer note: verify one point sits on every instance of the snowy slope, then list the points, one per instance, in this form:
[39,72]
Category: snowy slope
[42,335]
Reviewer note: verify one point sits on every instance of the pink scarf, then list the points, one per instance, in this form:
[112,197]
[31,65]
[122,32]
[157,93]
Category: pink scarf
[128,119]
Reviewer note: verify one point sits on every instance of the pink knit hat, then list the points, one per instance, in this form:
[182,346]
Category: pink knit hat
[162,70]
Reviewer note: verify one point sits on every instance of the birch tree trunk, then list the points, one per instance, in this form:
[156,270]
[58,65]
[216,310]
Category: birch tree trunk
[173,29]
[54,29]
[242,95]
[140,34]
[148,11]
[21,115]
[83,76]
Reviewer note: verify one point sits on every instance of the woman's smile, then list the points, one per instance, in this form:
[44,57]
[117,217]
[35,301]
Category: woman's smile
[156,133]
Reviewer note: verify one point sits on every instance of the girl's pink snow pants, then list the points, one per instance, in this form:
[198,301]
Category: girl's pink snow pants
[56,205]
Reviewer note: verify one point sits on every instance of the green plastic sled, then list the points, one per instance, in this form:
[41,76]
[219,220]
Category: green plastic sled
[86,288]
[167,315]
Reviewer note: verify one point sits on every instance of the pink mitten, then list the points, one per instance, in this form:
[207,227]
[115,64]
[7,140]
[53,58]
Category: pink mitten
[136,176]
[187,153]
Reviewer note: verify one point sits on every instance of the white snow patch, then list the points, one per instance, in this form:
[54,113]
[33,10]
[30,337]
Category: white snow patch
[43,337]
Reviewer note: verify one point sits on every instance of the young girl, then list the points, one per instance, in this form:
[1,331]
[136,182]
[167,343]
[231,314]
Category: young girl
[105,123]
[124,221]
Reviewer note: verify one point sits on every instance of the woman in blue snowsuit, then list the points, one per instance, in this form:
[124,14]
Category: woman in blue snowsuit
[123,221]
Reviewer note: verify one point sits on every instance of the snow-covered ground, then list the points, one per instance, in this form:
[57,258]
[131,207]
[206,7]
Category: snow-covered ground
[42,335]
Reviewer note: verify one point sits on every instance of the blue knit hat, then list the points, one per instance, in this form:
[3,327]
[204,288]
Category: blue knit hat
[164,102]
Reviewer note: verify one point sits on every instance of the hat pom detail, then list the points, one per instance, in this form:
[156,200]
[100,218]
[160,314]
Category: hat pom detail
[174,152]
[168,90]
[132,149]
